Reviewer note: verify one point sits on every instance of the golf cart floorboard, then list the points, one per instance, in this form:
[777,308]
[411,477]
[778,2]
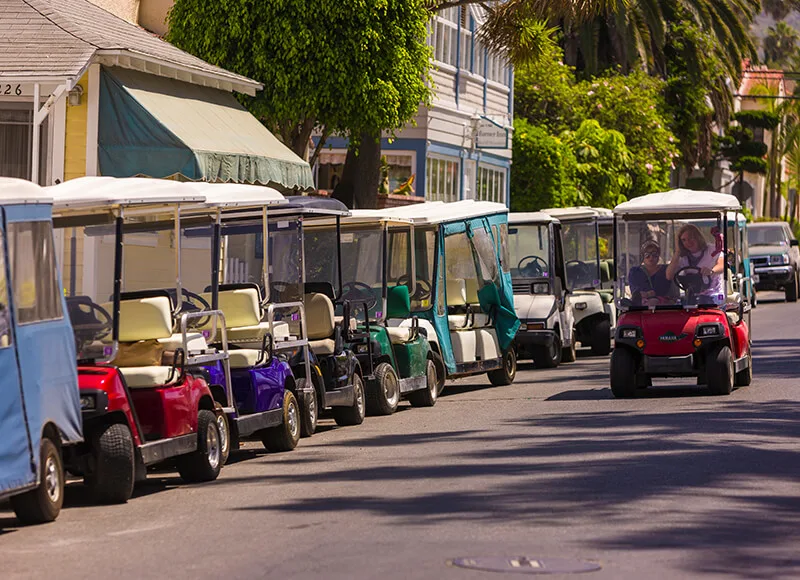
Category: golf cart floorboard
[157,451]
[477,367]
[413,384]
[249,424]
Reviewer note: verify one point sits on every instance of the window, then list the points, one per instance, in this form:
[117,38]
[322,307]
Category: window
[505,259]
[37,296]
[330,167]
[443,39]
[399,172]
[16,134]
[491,184]
[486,254]
[5,318]
[442,179]
[496,68]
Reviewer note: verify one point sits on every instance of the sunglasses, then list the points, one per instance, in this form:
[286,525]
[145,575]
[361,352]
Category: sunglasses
[651,254]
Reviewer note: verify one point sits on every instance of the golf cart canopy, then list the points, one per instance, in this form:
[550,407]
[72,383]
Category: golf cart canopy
[374,216]
[21,192]
[236,195]
[535,217]
[438,212]
[567,214]
[311,205]
[678,201]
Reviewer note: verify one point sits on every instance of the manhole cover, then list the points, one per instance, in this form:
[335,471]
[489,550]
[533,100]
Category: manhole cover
[525,565]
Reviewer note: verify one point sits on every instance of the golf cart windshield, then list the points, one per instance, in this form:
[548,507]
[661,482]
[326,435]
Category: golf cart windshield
[286,261]
[529,250]
[362,268]
[399,263]
[668,263]
[581,258]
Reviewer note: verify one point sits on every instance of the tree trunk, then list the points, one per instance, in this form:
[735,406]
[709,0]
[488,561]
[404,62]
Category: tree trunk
[361,174]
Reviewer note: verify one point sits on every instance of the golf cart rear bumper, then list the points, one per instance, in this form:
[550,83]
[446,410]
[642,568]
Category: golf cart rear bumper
[773,277]
[670,366]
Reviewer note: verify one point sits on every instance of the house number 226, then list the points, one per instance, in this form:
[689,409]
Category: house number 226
[10,89]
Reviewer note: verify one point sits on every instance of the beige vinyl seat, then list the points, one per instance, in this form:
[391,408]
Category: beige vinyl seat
[146,319]
[456,296]
[320,323]
[478,319]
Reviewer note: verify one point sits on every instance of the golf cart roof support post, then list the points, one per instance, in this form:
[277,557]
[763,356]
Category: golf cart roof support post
[178,287]
[385,273]
[339,254]
[551,256]
[117,280]
[413,257]
[614,234]
[216,241]
[597,251]
[264,253]
[73,259]
[722,224]
[306,356]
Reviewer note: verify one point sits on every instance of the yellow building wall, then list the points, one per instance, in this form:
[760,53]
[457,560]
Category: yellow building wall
[75,141]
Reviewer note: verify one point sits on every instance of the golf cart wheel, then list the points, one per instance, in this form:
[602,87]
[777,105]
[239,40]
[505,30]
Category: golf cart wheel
[284,437]
[791,290]
[441,371]
[426,397]
[224,432]
[353,415]
[719,370]
[505,375]
[601,338]
[309,415]
[570,353]
[623,373]
[547,357]
[745,376]
[204,463]
[42,504]
[383,394]
[111,478]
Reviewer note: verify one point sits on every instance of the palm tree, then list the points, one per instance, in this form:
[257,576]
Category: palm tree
[780,45]
[779,9]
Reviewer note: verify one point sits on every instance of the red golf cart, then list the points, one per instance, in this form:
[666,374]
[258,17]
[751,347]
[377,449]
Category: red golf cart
[684,309]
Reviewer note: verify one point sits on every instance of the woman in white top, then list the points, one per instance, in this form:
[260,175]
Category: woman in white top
[693,251]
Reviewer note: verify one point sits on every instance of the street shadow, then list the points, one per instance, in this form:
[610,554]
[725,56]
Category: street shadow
[583,468]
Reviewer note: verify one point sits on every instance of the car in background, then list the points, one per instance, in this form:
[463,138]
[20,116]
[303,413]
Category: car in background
[774,257]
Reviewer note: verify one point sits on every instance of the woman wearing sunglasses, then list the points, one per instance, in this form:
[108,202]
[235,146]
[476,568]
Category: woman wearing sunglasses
[648,281]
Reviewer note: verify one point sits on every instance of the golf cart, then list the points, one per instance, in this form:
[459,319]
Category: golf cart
[252,382]
[376,274]
[540,289]
[39,400]
[336,377]
[463,294]
[140,404]
[690,317]
[588,257]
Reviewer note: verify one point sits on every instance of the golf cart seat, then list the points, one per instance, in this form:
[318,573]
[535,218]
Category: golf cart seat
[241,305]
[320,324]
[478,319]
[245,358]
[142,323]
[457,300]
[195,342]
[398,308]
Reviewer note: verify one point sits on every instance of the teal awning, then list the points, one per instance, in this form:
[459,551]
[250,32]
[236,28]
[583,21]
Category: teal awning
[160,127]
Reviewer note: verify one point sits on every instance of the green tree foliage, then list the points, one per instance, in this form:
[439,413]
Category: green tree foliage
[602,173]
[544,170]
[348,67]
[780,9]
[780,45]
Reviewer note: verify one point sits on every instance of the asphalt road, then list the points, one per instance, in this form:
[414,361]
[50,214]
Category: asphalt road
[673,484]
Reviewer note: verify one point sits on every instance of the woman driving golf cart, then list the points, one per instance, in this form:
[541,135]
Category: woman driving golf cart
[699,262]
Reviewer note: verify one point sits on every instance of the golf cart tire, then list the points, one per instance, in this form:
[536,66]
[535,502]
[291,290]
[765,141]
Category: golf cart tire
[378,403]
[506,374]
[719,370]
[353,415]
[284,437]
[791,290]
[601,338]
[224,428]
[309,417]
[745,376]
[113,472]
[544,358]
[569,354]
[623,374]
[197,467]
[36,506]
[441,371]
[427,397]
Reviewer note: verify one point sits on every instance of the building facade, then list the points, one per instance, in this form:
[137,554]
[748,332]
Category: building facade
[460,147]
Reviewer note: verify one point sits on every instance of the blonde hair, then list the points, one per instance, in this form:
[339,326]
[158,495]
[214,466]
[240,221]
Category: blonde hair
[695,232]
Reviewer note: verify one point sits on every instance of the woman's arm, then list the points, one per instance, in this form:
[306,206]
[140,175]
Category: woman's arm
[718,267]
[673,266]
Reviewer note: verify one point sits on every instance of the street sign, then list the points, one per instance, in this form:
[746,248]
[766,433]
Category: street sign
[490,135]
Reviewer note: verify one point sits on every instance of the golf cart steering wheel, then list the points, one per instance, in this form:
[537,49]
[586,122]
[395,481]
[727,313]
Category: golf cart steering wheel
[583,271]
[194,303]
[538,264]
[358,291]
[90,321]
[691,280]
[421,292]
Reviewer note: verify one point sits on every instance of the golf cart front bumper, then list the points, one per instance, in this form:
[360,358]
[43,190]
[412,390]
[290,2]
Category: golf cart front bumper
[773,277]
[670,366]
[527,339]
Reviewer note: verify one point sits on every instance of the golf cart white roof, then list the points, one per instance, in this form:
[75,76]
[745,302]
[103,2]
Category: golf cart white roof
[679,201]
[368,216]
[438,212]
[531,217]
[20,191]
[566,214]
[229,195]
[109,192]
